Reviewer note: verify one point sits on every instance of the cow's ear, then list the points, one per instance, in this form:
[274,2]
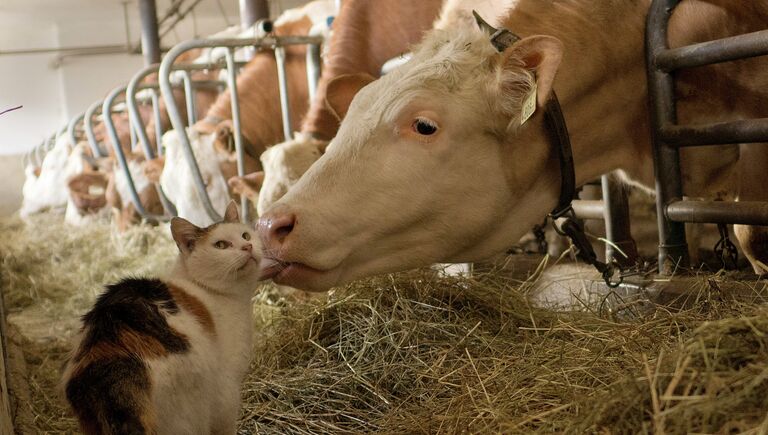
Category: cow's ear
[541,55]
[342,90]
[225,136]
[185,234]
[231,215]
[258,180]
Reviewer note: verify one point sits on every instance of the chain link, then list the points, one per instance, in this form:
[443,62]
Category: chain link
[725,250]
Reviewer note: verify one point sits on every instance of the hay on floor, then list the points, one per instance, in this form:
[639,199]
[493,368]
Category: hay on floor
[419,353]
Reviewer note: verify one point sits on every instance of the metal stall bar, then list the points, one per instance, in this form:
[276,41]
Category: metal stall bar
[133,109]
[673,249]
[189,97]
[239,147]
[667,136]
[155,98]
[72,128]
[92,110]
[135,85]
[122,161]
[313,69]
[719,212]
[285,104]
[167,65]
[617,223]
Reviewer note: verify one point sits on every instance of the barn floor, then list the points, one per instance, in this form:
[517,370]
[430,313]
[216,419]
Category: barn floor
[419,353]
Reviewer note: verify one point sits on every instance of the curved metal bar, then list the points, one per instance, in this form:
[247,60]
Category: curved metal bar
[239,148]
[189,96]
[164,76]
[167,205]
[282,82]
[72,127]
[158,120]
[112,132]
[55,136]
[88,124]
[133,109]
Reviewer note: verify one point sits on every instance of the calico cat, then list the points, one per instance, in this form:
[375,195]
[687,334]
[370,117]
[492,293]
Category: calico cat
[167,356]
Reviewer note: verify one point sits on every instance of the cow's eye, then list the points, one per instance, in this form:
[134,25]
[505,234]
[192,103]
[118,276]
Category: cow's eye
[246,236]
[424,127]
[221,244]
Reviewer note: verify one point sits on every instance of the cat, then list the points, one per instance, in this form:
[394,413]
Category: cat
[167,356]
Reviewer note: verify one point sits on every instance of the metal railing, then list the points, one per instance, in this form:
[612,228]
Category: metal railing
[138,128]
[107,108]
[668,136]
[277,44]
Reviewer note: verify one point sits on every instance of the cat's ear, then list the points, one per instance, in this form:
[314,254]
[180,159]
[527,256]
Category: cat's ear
[185,233]
[232,215]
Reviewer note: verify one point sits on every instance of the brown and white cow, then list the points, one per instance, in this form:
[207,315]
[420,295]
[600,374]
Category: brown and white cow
[366,34]
[434,164]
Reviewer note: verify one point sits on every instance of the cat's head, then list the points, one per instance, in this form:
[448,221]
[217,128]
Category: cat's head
[220,255]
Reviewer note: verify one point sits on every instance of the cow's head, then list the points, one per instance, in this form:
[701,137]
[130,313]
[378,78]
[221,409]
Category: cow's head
[431,164]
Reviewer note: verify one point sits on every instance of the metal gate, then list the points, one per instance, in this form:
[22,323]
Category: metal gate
[274,43]
[667,136]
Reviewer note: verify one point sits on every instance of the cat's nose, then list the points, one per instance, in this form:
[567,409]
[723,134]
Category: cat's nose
[247,247]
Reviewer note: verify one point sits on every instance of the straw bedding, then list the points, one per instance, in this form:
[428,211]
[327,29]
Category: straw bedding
[419,353]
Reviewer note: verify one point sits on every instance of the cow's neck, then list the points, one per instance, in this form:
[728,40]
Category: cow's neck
[602,89]
[601,83]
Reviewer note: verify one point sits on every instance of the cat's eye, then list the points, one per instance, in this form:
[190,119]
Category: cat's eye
[221,244]
[246,236]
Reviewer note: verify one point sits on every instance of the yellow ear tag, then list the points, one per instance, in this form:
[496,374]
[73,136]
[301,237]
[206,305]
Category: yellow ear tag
[529,106]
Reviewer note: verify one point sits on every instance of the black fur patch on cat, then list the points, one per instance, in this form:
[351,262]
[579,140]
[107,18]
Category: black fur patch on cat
[133,304]
[110,386]
[112,397]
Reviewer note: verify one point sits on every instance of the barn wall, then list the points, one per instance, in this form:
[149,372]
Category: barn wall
[27,80]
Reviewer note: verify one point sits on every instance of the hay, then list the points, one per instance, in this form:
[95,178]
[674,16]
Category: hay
[418,353]
[413,353]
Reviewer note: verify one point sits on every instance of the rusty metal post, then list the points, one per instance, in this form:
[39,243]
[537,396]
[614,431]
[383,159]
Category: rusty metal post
[673,249]
[252,11]
[150,36]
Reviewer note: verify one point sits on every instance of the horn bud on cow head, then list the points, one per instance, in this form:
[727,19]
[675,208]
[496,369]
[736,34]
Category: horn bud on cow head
[484,26]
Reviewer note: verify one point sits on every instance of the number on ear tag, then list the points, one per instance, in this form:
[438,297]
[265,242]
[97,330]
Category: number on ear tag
[529,105]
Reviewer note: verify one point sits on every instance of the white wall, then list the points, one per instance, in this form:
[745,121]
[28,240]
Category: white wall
[28,81]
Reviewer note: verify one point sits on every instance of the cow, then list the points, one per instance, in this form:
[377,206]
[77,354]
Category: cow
[357,51]
[45,188]
[433,162]
[260,113]
[366,34]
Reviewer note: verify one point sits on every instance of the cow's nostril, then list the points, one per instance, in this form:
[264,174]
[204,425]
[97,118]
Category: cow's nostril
[282,232]
[278,227]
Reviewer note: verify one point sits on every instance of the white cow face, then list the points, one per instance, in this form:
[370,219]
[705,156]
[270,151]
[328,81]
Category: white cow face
[284,164]
[430,165]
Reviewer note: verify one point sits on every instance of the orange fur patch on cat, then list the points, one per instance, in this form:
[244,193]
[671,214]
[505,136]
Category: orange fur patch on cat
[193,305]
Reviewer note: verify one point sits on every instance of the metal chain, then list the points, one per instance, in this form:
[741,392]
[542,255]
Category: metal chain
[725,250]
[573,229]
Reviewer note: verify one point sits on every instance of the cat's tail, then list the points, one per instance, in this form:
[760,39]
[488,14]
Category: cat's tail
[111,396]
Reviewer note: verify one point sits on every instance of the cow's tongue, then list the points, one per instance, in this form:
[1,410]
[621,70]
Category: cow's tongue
[269,268]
